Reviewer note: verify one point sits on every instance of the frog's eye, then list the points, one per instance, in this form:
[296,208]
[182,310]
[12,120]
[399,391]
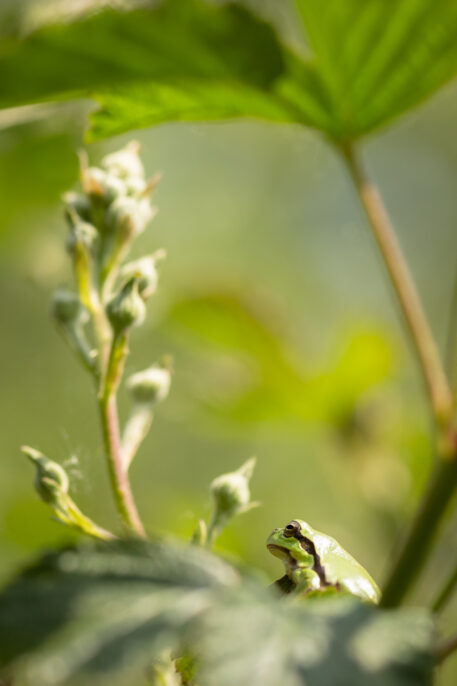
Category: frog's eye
[291,529]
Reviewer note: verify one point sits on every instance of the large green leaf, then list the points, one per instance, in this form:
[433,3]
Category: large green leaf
[322,642]
[168,42]
[103,615]
[368,61]
[376,58]
[104,612]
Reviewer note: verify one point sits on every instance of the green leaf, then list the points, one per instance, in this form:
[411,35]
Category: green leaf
[103,613]
[168,42]
[319,642]
[368,61]
[374,59]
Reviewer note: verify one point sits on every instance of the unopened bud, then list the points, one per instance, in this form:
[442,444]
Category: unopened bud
[81,234]
[51,480]
[126,162]
[67,308]
[231,491]
[76,203]
[106,186]
[150,386]
[144,269]
[127,308]
[128,217]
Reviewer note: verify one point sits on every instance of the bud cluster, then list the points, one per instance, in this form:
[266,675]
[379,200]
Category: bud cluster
[112,208]
[103,219]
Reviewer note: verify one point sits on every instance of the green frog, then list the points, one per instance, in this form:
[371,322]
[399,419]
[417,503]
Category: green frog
[315,562]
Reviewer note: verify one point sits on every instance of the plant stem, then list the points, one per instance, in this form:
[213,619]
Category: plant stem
[451,343]
[443,484]
[446,592]
[402,281]
[82,523]
[111,436]
[419,539]
[446,648]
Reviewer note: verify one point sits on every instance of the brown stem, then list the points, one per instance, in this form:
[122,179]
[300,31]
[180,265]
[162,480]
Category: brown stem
[402,281]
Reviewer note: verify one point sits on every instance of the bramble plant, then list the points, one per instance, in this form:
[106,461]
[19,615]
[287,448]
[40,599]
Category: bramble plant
[129,608]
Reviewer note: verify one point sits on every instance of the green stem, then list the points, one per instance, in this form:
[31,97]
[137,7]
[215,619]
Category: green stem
[111,436]
[420,537]
[443,484]
[446,648]
[402,281]
[446,592]
[82,523]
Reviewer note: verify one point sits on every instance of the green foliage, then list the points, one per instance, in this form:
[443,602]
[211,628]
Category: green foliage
[102,615]
[192,60]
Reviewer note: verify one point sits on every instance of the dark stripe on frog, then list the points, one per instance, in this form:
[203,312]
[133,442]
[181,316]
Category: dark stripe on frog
[310,548]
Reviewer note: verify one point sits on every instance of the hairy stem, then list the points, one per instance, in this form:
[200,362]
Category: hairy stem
[418,540]
[107,401]
[446,592]
[402,281]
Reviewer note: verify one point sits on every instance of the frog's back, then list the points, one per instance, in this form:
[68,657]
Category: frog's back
[341,568]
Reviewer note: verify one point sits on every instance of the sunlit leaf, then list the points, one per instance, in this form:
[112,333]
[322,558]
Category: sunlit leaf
[168,42]
[368,61]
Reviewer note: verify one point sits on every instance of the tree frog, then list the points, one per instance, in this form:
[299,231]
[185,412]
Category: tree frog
[314,562]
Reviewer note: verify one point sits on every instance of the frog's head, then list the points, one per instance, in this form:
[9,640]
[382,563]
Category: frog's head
[293,544]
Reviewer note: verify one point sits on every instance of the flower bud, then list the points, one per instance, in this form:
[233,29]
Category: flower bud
[81,234]
[150,386]
[51,480]
[103,185]
[231,491]
[144,269]
[126,162]
[127,308]
[135,186]
[67,308]
[76,203]
[128,217]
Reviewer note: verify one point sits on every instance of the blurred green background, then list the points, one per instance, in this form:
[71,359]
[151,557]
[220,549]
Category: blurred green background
[275,306]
